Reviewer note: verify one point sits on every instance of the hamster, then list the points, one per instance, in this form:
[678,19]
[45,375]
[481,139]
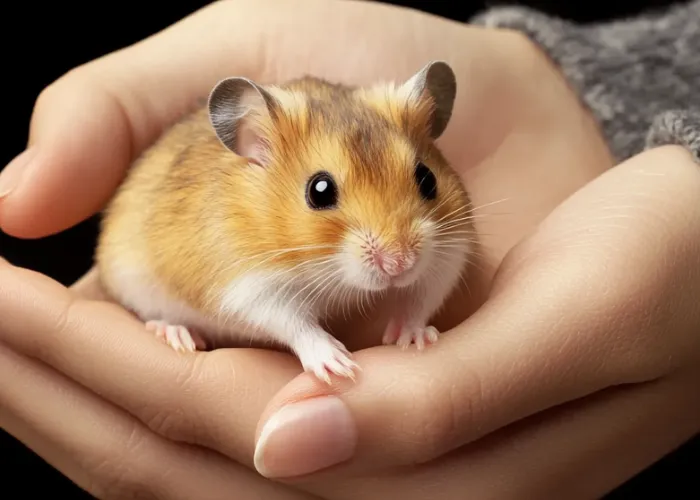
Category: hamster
[272,206]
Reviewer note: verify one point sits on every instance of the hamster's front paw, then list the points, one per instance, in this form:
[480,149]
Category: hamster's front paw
[322,354]
[176,336]
[404,334]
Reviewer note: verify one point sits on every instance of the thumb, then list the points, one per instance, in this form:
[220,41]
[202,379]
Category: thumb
[80,144]
[89,125]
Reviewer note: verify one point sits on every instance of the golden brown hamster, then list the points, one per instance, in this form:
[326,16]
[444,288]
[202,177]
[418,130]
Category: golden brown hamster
[273,206]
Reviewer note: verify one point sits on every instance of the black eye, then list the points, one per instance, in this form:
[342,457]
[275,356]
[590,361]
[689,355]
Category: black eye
[427,183]
[321,192]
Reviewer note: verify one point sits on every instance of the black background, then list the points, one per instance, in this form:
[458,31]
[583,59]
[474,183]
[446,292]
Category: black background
[41,42]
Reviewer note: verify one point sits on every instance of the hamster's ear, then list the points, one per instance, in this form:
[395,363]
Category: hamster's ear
[235,108]
[438,80]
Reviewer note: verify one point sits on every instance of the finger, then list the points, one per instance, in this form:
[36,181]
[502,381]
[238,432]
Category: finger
[212,399]
[106,451]
[90,124]
[579,451]
[562,325]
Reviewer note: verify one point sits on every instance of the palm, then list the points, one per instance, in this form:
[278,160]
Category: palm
[503,115]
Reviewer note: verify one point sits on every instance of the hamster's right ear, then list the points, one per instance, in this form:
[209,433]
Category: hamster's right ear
[438,80]
[238,109]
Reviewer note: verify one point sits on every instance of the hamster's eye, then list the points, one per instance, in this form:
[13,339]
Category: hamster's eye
[427,183]
[321,192]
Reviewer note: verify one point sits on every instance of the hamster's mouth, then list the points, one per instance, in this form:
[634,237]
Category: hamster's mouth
[363,276]
[402,280]
[376,282]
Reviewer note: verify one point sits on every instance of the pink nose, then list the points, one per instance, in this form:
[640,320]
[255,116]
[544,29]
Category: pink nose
[394,263]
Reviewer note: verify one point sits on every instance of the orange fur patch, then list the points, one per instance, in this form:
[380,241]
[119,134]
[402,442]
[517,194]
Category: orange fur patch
[204,215]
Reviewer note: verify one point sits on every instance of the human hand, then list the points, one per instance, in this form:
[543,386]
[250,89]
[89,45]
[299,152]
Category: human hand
[603,359]
[511,105]
[101,447]
[584,362]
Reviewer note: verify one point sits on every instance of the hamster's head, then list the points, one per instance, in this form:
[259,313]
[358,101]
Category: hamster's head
[355,191]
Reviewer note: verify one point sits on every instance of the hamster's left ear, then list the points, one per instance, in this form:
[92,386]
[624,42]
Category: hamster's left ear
[238,110]
[438,80]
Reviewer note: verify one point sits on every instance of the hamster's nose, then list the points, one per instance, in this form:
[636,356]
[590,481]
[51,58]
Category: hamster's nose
[394,263]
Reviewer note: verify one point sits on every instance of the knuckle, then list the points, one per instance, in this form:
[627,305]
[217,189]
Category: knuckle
[114,487]
[54,90]
[180,418]
[54,98]
[62,315]
[440,416]
[44,97]
[120,473]
[170,423]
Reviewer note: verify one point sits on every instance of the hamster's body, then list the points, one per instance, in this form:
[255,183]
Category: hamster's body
[260,215]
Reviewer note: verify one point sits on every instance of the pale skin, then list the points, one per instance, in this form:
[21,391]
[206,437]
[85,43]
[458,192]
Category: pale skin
[543,332]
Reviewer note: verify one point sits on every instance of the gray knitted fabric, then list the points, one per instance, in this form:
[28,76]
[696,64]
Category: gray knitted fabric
[640,77]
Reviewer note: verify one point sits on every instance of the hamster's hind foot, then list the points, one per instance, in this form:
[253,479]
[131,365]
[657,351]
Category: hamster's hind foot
[176,336]
[405,334]
[322,354]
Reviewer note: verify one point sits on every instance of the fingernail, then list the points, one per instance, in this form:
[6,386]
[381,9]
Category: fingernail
[11,175]
[306,437]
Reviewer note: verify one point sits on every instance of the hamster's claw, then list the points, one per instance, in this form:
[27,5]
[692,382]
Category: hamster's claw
[392,332]
[404,335]
[328,356]
[176,336]
[421,336]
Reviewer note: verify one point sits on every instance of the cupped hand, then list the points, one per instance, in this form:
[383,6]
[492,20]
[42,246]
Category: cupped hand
[579,370]
[72,421]
[583,362]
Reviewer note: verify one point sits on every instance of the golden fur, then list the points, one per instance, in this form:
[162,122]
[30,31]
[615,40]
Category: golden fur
[200,215]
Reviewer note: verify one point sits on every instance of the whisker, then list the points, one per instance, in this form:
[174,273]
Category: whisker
[457,210]
[485,205]
[324,284]
[448,238]
[320,277]
[460,221]
[448,232]
[286,251]
[223,318]
[275,253]
[465,218]
[442,203]
[461,241]
[293,282]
